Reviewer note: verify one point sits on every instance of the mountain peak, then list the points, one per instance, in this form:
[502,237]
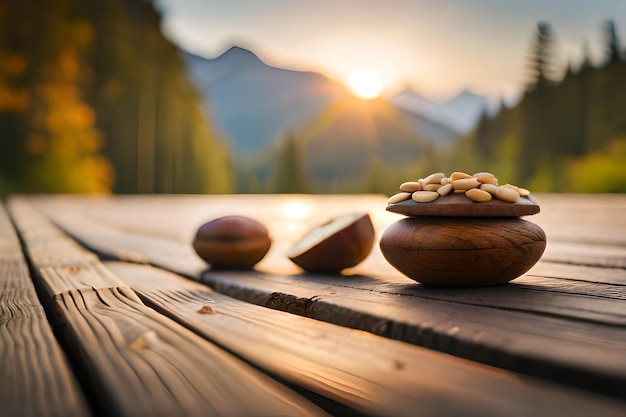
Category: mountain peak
[465,94]
[233,59]
[410,94]
[237,51]
[460,113]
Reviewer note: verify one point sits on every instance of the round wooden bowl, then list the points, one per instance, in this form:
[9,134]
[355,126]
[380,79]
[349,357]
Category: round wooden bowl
[456,251]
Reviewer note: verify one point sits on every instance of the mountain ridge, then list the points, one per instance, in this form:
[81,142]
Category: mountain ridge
[237,85]
[460,112]
[259,109]
[253,103]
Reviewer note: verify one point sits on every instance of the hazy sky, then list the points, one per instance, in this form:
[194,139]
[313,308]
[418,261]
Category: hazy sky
[436,47]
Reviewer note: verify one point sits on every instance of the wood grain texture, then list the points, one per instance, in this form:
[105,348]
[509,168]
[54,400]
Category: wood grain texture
[443,251]
[564,298]
[460,205]
[583,218]
[585,229]
[146,365]
[159,229]
[515,327]
[385,378]
[35,377]
[140,362]
[585,274]
[587,254]
[588,354]
[567,290]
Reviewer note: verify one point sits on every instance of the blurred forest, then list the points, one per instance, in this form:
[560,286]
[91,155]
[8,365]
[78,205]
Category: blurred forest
[567,134]
[93,99]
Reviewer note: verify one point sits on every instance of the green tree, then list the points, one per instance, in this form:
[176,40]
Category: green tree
[157,136]
[614,95]
[539,106]
[612,49]
[562,131]
[289,171]
[603,171]
[541,59]
[88,88]
[52,136]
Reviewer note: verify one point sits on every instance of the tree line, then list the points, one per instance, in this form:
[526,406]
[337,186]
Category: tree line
[93,98]
[566,134]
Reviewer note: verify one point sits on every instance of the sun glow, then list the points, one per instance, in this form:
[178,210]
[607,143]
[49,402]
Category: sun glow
[295,209]
[365,84]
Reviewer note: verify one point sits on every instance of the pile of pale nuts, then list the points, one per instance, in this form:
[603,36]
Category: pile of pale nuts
[480,187]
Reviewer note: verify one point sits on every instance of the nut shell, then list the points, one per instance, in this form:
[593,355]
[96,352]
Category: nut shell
[339,244]
[232,242]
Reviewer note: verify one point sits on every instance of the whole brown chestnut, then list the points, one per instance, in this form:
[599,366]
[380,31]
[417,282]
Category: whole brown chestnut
[237,242]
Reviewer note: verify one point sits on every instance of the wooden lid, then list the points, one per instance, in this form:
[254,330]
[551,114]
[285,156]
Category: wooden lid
[458,205]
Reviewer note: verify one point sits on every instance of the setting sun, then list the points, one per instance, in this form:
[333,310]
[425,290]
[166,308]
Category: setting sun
[365,84]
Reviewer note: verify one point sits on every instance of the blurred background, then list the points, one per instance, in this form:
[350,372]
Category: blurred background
[295,96]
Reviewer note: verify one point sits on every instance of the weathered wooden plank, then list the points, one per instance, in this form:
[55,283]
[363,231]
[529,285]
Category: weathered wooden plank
[386,378]
[146,365]
[588,354]
[140,362]
[556,297]
[613,276]
[132,240]
[515,327]
[562,297]
[35,376]
[584,229]
[586,254]
[575,224]
[583,218]
[171,219]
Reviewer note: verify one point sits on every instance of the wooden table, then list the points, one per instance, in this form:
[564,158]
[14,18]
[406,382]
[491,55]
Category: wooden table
[124,319]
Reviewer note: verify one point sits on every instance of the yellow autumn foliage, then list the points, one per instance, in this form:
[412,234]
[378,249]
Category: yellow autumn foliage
[12,64]
[599,172]
[13,100]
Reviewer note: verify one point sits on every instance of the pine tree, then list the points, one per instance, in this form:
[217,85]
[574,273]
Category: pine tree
[157,135]
[539,106]
[483,135]
[541,71]
[56,142]
[615,84]
[612,44]
[91,87]
[585,65]
[289,172]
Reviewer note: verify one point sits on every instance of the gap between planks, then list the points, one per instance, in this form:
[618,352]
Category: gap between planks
[164,217]
[568,294]
[35,375]
[139,361]
[398,379]
[588,354]
[549,312]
